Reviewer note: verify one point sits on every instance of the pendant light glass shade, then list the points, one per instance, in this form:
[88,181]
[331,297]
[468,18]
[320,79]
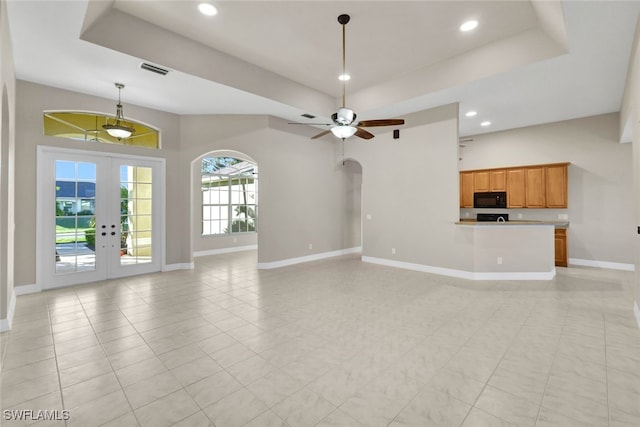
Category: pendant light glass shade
[343,131]
[119,129]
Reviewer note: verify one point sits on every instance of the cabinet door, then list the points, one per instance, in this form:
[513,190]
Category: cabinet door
[556,194]
[535,187]
[515,188]
[498,180]
[561,247]
[466,189]
[481,181]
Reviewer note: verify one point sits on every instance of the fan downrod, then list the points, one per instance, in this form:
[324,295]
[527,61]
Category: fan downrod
[344,19]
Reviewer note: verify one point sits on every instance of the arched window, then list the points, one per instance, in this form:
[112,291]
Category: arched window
[83,126]
[229,195]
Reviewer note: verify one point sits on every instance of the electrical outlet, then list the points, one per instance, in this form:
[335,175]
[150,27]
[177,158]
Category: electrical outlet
[393,251]
[499,260]
[235,240]
[519,216]
[310,245]
[369,216]
[563,216]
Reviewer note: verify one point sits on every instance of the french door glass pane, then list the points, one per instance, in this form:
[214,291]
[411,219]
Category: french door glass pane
[135,214]
[75,216]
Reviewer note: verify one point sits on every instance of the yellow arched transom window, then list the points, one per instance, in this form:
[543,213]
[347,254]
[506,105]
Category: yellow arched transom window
[88,127]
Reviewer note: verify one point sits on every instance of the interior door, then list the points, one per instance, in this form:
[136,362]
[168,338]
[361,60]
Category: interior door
[106,221]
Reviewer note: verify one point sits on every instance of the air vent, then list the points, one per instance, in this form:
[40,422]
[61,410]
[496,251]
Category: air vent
[308,116]
[154,68]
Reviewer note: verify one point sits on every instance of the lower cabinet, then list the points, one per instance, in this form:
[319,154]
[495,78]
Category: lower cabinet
[561,247]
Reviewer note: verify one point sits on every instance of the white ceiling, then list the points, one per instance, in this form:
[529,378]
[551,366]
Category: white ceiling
[527,62]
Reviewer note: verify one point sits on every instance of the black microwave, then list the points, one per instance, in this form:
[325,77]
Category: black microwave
[494,199]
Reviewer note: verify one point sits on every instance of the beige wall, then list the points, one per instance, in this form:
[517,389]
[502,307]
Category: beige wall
[410,192]
[600,180]
[34,99]
[301,189]
[630,117]
[7,167]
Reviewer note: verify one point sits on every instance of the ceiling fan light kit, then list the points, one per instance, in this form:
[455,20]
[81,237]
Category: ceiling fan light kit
[344,131]
[119,128]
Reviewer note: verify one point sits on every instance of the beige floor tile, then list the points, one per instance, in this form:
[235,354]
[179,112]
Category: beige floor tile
[199,419]
[86,391]
[457,385]
[432,407]
[250,370]
[225,411]
[167,410]
[303,408]
[196,370]
[290,345]
[132,374]
[99,411]
[150,389]
[513,409]
[275,387]
[210,390]
[267,419]
[339,418]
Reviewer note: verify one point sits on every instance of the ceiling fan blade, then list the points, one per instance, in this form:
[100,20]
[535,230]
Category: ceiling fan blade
[311,124]
[381,122]
[364,134]
[321,134]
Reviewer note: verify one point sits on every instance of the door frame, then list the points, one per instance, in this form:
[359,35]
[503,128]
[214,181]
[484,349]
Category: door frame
[43,151]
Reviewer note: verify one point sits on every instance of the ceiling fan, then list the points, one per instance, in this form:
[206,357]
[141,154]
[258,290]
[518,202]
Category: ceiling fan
[343,125]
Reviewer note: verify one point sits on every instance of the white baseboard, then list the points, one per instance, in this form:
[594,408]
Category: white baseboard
[308,258]
[225,250]
[27,289]
[636,311]
[179,266]
[5,324]
[602,264]
[470,275]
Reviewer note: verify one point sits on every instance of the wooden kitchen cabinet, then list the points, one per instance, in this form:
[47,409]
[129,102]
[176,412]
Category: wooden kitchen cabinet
[535,187]
[498,180]
[466,189]
[561,247]
[481,181]
[556,188]
[515,188]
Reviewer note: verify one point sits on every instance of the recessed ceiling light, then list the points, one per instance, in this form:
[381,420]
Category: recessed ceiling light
[485,124]
[207,9]
[469,25]
[344,77]
[471,113]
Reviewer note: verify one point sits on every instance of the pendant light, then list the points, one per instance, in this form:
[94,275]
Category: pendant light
[119,128]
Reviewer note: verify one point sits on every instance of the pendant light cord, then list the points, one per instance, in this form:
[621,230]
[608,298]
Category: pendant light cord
[344,68]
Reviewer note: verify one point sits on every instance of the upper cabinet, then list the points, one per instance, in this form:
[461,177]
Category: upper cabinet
[538,186]
[556,188]
[466,189]
[498,180]
[516,188]
[535,194]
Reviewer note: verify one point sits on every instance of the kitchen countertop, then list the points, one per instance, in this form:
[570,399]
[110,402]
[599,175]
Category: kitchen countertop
[556,224]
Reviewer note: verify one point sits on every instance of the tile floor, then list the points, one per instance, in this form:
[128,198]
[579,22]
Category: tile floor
[331,343]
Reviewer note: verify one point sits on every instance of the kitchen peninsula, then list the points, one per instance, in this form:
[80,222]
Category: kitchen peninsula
[513,250]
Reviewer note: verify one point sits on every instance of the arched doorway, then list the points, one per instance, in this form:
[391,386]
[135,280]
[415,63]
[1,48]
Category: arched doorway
[352,219]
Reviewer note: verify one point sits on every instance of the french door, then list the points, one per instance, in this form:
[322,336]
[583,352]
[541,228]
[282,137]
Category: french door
[107,216]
